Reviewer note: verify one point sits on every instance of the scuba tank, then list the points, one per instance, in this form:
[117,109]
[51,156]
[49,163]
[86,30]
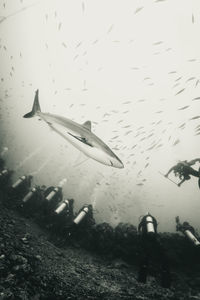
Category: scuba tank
[191,237]
[82,214]
[150,224]
[62,206]
[55,190]
[19,182]
[185,229]
[4,172]
[29,195]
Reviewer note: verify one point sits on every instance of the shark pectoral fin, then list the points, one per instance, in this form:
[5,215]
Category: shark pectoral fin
[81,139]
[87,125]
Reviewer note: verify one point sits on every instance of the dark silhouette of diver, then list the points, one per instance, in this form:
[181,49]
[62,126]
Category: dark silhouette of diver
[183,169]
[151,249]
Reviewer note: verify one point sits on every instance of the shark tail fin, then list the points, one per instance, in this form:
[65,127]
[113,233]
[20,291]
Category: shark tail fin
[36,107]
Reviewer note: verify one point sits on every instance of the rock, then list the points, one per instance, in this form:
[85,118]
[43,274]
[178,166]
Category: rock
[38,257]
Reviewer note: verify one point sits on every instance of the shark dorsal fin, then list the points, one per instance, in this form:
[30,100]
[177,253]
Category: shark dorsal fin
[87,125]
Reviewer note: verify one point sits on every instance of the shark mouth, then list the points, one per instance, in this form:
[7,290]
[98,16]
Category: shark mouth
[81,139]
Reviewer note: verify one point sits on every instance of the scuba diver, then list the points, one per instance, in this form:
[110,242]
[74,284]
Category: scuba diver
[18,190]
[63,216]
[152,249]
[33,200]
[188,231]
[183,169]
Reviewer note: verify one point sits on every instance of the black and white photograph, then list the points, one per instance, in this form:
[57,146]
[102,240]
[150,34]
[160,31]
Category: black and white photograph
[99,149]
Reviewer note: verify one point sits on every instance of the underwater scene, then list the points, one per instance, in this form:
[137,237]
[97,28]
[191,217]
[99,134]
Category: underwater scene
[99,147]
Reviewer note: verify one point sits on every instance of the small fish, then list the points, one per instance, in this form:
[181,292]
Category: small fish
[160,145]
[194,118]
[142,139]
[59,26]
[128,132]
[182,125]
[83,6]
[150,135]
[191,78]
[179,92]
[157,43]
[197,98]
[75,57]
[78,45]
[176,142]
[184,107]
[64,45]
[150,148]
[110,29]
[176,84]
[138,9]
[127,102]
[192,18]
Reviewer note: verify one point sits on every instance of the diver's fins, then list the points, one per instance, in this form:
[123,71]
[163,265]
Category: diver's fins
[35,108]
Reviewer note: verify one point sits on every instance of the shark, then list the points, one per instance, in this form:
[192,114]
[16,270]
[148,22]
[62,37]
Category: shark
[79,135]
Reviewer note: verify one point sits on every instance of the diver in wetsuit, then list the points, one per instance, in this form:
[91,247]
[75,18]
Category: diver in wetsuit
[188,231]
[183,169]
[151,249]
